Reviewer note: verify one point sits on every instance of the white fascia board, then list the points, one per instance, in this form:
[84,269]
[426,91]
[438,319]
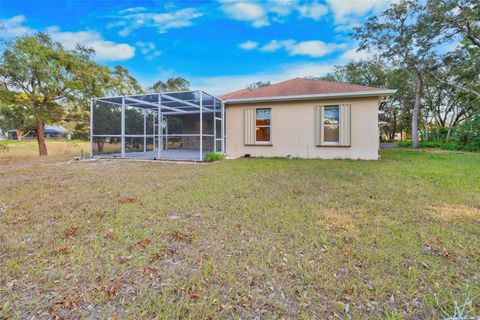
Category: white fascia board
[376,93]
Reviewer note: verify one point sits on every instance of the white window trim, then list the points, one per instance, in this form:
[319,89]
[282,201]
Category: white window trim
[263,126]
[322,127]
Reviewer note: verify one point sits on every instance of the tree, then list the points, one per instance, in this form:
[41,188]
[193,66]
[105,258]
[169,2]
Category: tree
[399,39]
[447,105]
[258,84]
[122,83]
[16,117]
[172,85]
[448,22]
[40,69]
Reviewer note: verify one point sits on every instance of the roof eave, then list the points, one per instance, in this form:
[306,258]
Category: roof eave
[375,93]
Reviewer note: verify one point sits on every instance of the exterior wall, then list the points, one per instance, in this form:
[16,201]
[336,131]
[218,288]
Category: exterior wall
[293,130]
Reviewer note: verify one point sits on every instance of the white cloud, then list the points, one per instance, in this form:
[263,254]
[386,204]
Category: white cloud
[248,45]
[348,13]
[275,45]
[260,13]
[312,48]
[344,8]
[354,55]
[148,49]
[313,10]
[14,26]
[247,11]
[134,18]
[105,50]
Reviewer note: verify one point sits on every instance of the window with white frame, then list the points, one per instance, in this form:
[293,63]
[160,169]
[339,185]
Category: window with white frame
[330,125]
[263,125]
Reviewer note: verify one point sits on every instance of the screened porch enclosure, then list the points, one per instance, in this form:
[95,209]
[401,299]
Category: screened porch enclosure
[170,126]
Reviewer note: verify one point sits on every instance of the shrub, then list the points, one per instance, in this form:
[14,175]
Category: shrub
[81,131]
[433,145]
[214,156]
[4,147]
[468,134]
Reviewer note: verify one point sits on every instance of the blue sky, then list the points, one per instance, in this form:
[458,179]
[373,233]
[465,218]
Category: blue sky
[219,46]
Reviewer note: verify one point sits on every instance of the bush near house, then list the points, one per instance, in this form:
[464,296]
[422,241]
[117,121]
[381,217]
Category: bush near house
[466,137]
[214,156]
[431,145]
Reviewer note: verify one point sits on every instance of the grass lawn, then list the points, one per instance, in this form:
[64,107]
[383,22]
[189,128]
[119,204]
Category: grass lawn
[11,151]
[250,238]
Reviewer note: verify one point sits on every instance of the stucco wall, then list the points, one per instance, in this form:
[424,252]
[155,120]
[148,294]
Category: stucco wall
[293,130]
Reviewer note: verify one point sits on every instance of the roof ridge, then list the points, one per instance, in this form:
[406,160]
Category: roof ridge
[343,83]
[300,86]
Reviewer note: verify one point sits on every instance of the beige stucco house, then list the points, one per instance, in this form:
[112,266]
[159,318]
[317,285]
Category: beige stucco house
[304,118]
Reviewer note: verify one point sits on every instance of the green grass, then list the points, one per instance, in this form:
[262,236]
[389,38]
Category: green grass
[397,238]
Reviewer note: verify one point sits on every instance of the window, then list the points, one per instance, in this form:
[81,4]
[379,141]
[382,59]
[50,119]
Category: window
[263,123]
[330,125]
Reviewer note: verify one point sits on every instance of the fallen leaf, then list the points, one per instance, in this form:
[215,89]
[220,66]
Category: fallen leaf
[70,232]
[193,293]
[164,254]
[63,250]
[392,299]
[126,200]
[144,243]
[182,237]
[223,306]
[113,289]
[70,301]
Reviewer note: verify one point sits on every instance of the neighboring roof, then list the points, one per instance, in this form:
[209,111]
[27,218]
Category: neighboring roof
[302,88]
[49,129]
[55,129]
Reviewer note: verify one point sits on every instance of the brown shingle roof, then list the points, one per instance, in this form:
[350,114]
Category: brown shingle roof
[298,87]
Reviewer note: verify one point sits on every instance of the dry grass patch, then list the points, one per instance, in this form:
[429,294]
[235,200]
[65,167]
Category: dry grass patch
[449,212]
[340,222]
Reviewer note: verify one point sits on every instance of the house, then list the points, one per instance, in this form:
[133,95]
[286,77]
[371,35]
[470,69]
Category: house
[299,118]
[304,118]
[52,132]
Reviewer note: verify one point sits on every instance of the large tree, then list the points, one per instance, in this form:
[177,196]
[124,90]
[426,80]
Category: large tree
[120,83]
[171,85]
[453,27]
[398,38]
[38,74]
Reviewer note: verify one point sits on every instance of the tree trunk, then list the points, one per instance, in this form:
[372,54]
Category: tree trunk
[394,128]
[426,132]
[19,134]
[449,132]
[100,143]
[42,147]
[416,110]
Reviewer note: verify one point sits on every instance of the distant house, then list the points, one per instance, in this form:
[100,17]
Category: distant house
[52,132]
[304,118]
